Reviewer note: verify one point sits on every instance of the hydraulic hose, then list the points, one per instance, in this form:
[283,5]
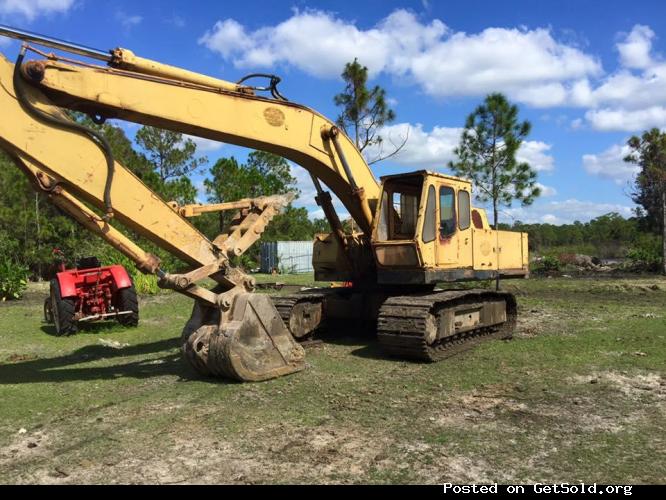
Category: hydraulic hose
[94,136]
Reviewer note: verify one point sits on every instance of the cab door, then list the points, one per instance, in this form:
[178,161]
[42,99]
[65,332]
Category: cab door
[465,233]
[447,237]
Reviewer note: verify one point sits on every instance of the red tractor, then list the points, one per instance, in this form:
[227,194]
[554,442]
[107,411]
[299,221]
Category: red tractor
[90,292]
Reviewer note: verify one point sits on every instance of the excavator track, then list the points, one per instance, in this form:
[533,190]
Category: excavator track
[302,312]
[414,326]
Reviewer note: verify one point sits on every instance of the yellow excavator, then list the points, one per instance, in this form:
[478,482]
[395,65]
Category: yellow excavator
[419,230]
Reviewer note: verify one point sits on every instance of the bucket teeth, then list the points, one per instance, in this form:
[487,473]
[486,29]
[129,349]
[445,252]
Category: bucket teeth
[250,344]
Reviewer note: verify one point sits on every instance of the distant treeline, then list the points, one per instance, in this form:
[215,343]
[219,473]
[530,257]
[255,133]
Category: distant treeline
[608,236]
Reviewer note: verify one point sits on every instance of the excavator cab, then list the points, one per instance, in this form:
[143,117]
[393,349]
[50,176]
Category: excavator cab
[398,222]
[426,231]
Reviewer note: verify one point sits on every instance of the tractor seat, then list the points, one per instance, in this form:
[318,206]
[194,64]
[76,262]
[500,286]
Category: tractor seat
[88,263]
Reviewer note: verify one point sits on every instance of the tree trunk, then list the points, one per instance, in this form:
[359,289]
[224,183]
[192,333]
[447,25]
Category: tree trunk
[39,242]
[356,141]
[495,219]
[663,225]
[495,196]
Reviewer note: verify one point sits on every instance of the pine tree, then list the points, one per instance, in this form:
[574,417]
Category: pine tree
[649,153]
[487,155]
[364,111]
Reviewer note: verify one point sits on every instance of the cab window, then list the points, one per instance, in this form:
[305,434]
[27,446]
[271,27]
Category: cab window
[463,210]
[400,209]
[406,206]
[447,212]
[429,226]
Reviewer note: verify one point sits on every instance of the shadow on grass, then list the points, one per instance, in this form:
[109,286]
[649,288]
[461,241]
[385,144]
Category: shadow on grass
[64,369]
[368,346]
[87,328]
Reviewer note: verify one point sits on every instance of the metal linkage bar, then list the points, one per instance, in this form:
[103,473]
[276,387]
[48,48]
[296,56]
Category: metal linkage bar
[55,43]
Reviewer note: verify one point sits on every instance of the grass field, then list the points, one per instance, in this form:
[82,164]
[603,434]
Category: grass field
[578,395]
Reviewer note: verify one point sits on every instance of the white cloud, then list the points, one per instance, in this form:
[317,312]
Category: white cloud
[563,212]
[319,213]
[202,195]
[424,149]
[626,89]
[529,65]
[128,21]
[31,9]
[177,21]
[308,193]
[304,184]
[627,120]
[611,165]
[536,154]
[205,145]
[433,149]
[635,48]
[546,191]
[550,219]
[632,98]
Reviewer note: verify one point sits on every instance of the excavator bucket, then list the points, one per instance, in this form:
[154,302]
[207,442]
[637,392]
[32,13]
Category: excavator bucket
[249,343]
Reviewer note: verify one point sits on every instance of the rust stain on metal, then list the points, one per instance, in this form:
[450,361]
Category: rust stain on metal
[274,117]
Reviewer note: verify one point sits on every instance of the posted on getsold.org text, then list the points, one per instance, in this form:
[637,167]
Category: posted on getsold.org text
[539,489]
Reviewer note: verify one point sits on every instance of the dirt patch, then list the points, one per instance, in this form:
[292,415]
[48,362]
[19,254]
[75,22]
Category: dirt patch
[642,288]
[532,322]
[319,453]
[475,408]
[275,454]
[27,446]
[18,358]
[433,464]
[632,386]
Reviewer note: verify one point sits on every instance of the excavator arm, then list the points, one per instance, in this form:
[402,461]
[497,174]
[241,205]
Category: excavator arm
[232,332]
[212,109]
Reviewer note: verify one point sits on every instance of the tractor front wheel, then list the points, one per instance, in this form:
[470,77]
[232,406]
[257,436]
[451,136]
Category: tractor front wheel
[48,311]
[128,301]
[62,311]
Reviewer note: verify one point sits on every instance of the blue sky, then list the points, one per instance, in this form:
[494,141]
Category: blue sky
[587,74]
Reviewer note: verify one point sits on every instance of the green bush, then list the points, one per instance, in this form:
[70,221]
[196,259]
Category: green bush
[145,284]
[13,280]
[646,252]
[548,264]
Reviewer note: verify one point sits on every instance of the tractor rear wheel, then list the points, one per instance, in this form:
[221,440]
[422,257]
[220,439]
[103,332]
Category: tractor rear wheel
[63,311]
[128,301]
